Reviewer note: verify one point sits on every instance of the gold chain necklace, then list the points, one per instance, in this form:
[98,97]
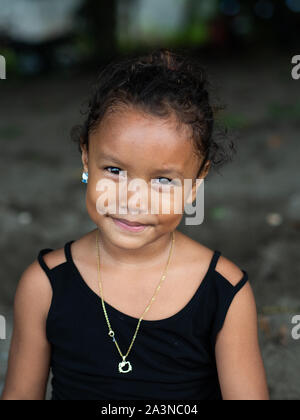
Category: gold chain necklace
[111,332]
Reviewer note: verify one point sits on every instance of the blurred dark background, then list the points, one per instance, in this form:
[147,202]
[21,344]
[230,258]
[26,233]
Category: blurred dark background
[41,36]
[54,51]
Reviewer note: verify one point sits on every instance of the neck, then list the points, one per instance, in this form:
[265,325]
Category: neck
[148,256]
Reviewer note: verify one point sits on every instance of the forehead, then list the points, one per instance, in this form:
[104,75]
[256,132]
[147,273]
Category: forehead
[133,136]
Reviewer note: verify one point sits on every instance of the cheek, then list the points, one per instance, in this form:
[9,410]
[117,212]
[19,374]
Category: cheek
[90,200]
[102,196]
[169,219]
[173,201]
[96,196]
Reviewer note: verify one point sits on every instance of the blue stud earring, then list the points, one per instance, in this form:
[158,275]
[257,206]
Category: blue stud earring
[85,177]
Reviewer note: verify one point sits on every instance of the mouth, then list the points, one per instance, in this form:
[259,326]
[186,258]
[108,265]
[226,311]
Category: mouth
[130,226]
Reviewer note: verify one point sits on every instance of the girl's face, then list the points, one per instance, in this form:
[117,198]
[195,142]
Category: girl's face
[154,153]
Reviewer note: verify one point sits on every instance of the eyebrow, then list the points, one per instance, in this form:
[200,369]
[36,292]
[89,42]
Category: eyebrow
[168,170]
[109,157]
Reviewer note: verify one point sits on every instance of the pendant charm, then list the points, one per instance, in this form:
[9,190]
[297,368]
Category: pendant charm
[122,364]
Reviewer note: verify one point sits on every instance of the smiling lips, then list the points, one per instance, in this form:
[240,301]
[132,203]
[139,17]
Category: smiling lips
[127,222]
[131,226]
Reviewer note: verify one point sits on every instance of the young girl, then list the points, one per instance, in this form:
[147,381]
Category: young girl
[135,309]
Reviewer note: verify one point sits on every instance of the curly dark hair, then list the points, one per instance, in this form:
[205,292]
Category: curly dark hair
[160,82]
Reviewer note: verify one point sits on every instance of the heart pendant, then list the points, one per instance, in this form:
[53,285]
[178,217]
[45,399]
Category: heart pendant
[121,366]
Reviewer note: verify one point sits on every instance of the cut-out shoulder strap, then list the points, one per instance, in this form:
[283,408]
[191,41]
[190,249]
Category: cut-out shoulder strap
[214,260]
[44,251]
[224,294]
[241,283]
[68,254]
[42,261]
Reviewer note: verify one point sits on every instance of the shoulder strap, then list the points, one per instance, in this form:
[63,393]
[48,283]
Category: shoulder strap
[241,283]
[46,250]
[224,294]
[214,259]
[42,261]
[67,248]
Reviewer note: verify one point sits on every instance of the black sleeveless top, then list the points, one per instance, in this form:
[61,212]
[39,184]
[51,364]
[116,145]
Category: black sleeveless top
[172,358]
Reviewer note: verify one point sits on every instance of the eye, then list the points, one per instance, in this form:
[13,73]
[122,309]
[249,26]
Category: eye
[165,183]
[113,167]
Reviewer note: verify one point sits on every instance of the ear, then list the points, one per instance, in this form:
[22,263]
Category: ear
[198,182]
[84,156]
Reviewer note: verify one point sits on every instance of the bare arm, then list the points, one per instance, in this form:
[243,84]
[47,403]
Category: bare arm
[29,355]
[239,362]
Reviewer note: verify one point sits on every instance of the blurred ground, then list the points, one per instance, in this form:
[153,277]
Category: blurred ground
[42,201]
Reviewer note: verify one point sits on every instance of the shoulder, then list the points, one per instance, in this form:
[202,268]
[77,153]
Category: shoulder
[191,250]
[197,253]
[58,256]
[80,249]
[33,292]
[34,287]
[54,257]
[240,298]
[229,270]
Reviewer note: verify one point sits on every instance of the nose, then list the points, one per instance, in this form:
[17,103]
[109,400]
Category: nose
[137,201]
